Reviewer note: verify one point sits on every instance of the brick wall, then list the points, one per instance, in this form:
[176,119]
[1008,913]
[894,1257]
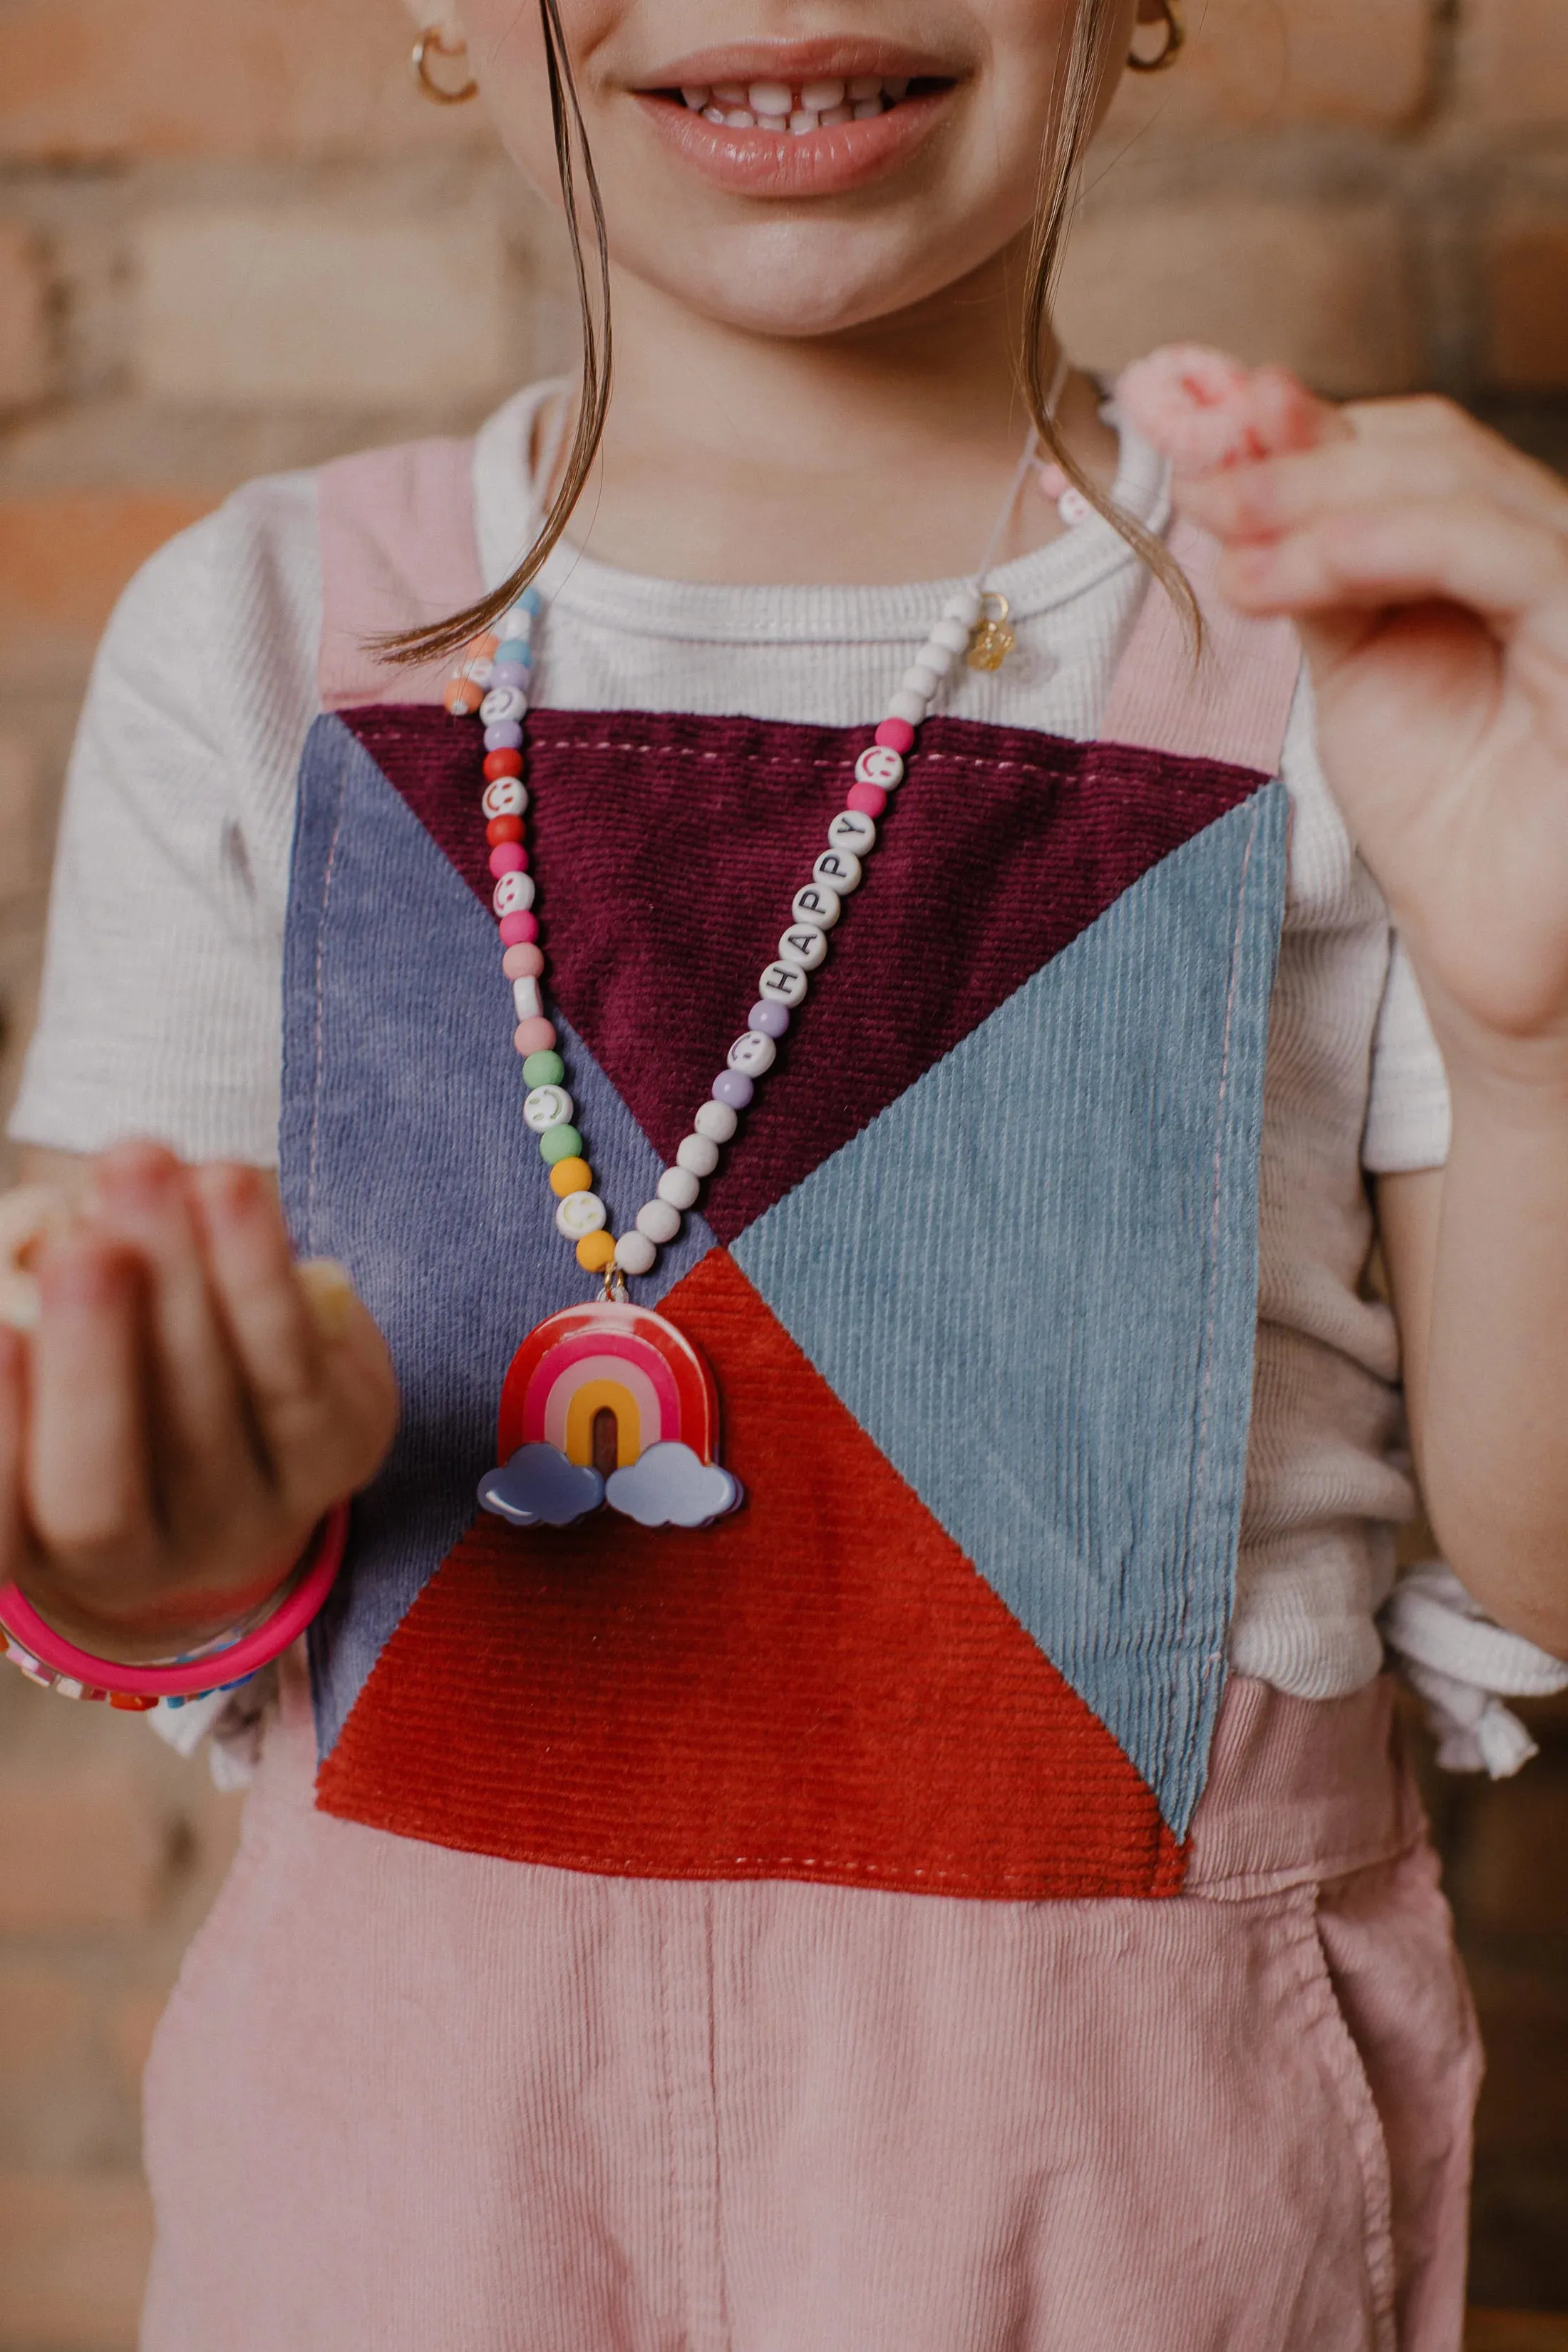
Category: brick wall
[1376,190]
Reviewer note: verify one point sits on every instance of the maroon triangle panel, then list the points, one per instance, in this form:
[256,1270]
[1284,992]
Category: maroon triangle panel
[820,1687]
[667,849]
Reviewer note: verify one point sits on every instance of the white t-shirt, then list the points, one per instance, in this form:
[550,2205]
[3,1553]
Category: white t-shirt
[160,1010]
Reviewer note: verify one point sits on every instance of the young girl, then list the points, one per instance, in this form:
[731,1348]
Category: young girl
[844,1794]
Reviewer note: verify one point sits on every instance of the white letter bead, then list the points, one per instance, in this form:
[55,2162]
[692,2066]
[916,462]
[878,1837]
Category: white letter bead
[881,765]
[716,1122]
[678,1186]
[840,869]
[502,703]
[965,607]
[545,1107]
[698,1152]
[525,996]
[918,679]
[513,894]
[852,829]
[803,945]
[910,708]
[635,1253]
[659,1220]
[508,796]
[952,635]
[815,904]
[752,1054]
[936,658]
[579,1214]
[782,984]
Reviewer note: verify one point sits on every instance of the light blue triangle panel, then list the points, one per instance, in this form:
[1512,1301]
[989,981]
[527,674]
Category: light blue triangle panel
[403,1153]
[1033,1279]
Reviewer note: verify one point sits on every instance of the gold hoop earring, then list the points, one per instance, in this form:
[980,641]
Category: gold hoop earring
[432,42]
[1176,41]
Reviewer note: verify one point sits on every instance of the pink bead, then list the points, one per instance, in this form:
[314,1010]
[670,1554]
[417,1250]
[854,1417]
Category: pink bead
[508,857]
[524,963]
[869,799]
[897,734]
[517,929]
[535,1037]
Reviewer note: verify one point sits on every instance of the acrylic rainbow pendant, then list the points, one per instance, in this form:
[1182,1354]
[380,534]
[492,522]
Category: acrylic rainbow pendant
[609,1403]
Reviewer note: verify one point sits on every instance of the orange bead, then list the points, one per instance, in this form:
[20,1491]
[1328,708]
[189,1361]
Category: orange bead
[570,1176]
[461,696]
[595,1252]
[503,828]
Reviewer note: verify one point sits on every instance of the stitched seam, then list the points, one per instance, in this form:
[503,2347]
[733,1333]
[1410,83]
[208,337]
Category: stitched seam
[319,1031]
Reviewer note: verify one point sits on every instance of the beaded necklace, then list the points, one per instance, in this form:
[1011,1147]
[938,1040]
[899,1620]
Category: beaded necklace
[608,1402]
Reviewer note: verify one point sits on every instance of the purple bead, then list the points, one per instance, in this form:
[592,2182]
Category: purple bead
[505,737]
[508,673]
[772,1019]
[735,1087]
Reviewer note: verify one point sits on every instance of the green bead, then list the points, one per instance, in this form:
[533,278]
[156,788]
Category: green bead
[543,1070]
[559,1143]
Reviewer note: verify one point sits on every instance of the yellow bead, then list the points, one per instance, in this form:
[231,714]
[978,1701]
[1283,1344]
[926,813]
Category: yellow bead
[573,1175]
[595,1252]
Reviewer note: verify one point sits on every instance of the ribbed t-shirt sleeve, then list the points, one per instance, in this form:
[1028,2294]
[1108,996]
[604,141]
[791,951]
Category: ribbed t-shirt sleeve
[1407,1117]
[161,1006]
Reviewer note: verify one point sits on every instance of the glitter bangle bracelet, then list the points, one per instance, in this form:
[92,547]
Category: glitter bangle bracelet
[191,1677]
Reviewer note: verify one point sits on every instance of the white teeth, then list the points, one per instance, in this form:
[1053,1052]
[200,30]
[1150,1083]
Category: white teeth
[864,108]
[896,89]
[821,97]
[835,115]
[730,93]
[769,98]
[866,85]
[777,124]
[697,99]
[739,118]
[773,106]
[712,114]
[802,121]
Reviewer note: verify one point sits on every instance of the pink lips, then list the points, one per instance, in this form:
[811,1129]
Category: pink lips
[848,119]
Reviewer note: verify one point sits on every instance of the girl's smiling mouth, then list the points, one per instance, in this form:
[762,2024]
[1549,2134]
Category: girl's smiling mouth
[798,119]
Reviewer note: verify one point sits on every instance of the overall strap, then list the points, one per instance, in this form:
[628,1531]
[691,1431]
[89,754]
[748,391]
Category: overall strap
[398,550]
[1232,703]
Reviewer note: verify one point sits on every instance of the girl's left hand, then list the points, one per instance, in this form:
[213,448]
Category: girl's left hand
[1425,565]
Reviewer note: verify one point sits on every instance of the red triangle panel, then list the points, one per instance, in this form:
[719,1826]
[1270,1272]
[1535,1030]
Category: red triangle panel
[820,1687]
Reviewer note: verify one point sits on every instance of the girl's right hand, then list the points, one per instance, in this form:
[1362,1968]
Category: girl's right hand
[188,1405]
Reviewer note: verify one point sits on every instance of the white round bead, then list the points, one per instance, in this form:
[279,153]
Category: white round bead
[909,707]
[936,658]
[635,1253]
[679,1187]
[504,703]
[513,894]
[716,1122]
[518,624]
[853,829]
[579,1214]
[918,679]
[815,904]
[481,669]
[752,1054]
[698,1152]
[781,983]
[965,607]
[659,1220]
[840,869]
[525,997]
[508,796]
[881,765]
[803,945]
[1073,507]
[952,636]
[545,1107]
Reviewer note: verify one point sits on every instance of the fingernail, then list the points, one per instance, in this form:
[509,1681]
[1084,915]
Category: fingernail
[328,1293]
[227,1187]
[79,1272]
[137,1172]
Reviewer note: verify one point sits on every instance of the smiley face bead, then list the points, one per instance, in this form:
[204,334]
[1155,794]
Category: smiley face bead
[547,1106]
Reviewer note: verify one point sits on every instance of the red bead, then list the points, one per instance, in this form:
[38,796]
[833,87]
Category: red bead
[503,828]
[897,734]
[511,858]
[869,799]
[502,763]
[516,930]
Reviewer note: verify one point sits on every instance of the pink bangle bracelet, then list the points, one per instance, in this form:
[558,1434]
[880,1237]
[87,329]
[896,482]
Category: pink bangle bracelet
[112,1679]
